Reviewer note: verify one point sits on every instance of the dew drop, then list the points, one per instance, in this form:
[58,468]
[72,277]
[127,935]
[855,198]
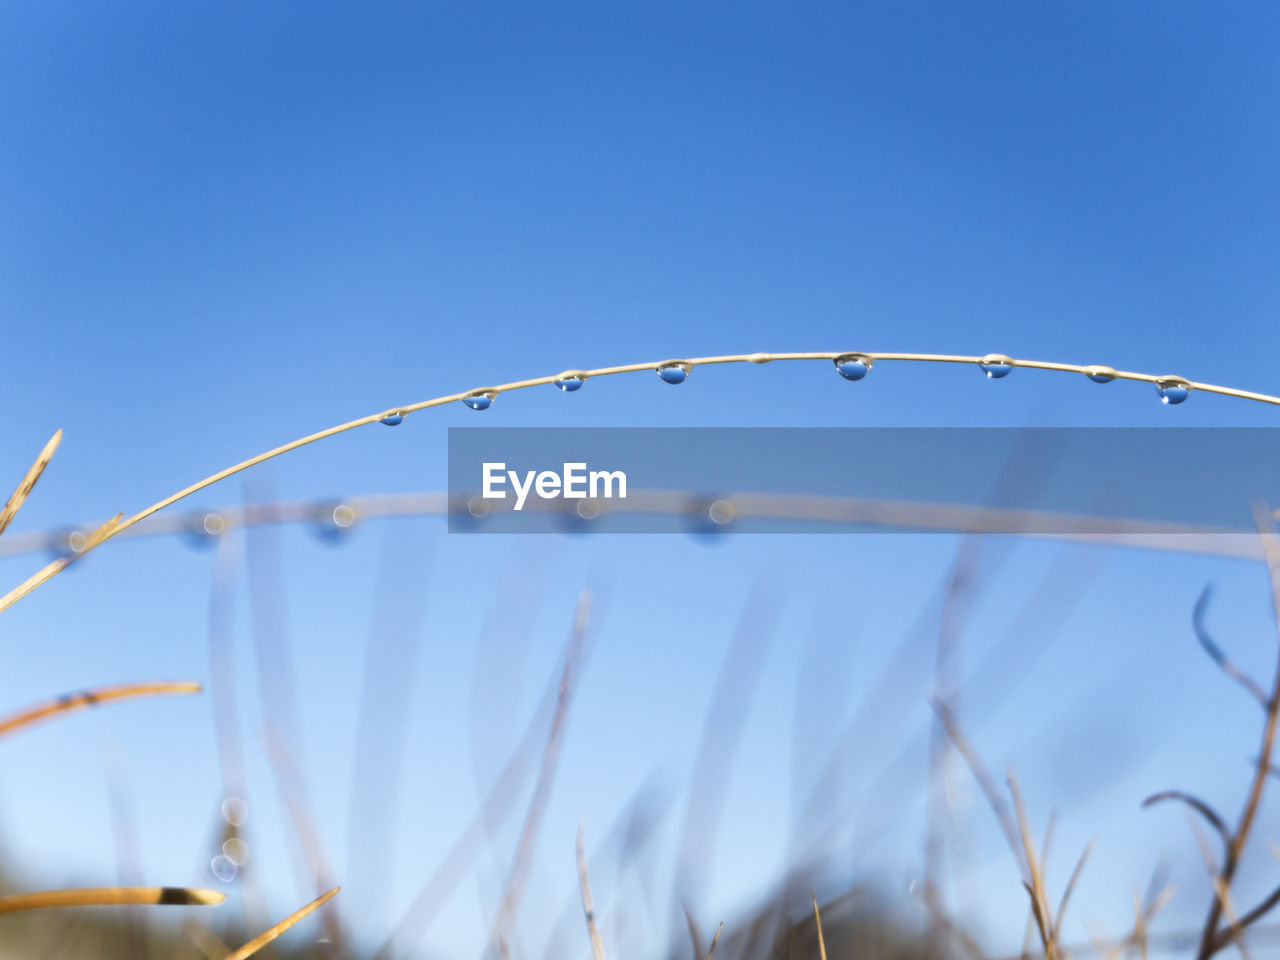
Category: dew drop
[235,811]
[478,507]
[674,371]
[571,380]
[1099,374]
[1172,390]
[204,530]
[588,509]
[853,366]
[67,544]
[721,513]
[236,850]
[223,868]
[996,365]
[759,358]
[480,400]
[393,419]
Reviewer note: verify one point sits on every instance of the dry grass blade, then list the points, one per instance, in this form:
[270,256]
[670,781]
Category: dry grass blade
[1071,885]
[714,940]
[988,786]
[1015,825]
[817,919]
[19,496]
[260,941]
[588,904]
[695,938]
[493,810]
[91,698]
[110,897]
[546,775]
[1035,879]
[52,569]
[1139,926]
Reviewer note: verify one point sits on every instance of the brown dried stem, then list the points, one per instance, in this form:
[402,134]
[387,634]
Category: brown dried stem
[91,698]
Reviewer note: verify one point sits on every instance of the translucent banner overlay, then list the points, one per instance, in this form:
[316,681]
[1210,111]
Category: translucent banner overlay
[1047,480]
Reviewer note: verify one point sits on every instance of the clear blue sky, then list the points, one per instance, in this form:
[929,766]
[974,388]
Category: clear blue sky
[228,225]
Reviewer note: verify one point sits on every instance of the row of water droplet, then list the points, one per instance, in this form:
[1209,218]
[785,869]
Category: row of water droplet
[851,366]
[234,851]
[996,366]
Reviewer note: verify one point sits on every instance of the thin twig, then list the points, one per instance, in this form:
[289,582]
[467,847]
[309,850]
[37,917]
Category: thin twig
[1199,806]
[1216,653]
[1209,937]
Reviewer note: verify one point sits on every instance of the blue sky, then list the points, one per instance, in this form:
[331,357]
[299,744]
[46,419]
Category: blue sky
[229,225]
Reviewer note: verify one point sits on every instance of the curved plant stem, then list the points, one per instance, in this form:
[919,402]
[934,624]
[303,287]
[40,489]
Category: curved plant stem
[91,698]
[102,535]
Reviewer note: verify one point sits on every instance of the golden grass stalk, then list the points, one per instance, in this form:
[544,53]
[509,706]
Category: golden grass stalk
[260,941]
[714,940]
[817,919]
[588,904]
[50,570]
[19,496]
[84,699]
[110,897]
[1035,883]
[756,358]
